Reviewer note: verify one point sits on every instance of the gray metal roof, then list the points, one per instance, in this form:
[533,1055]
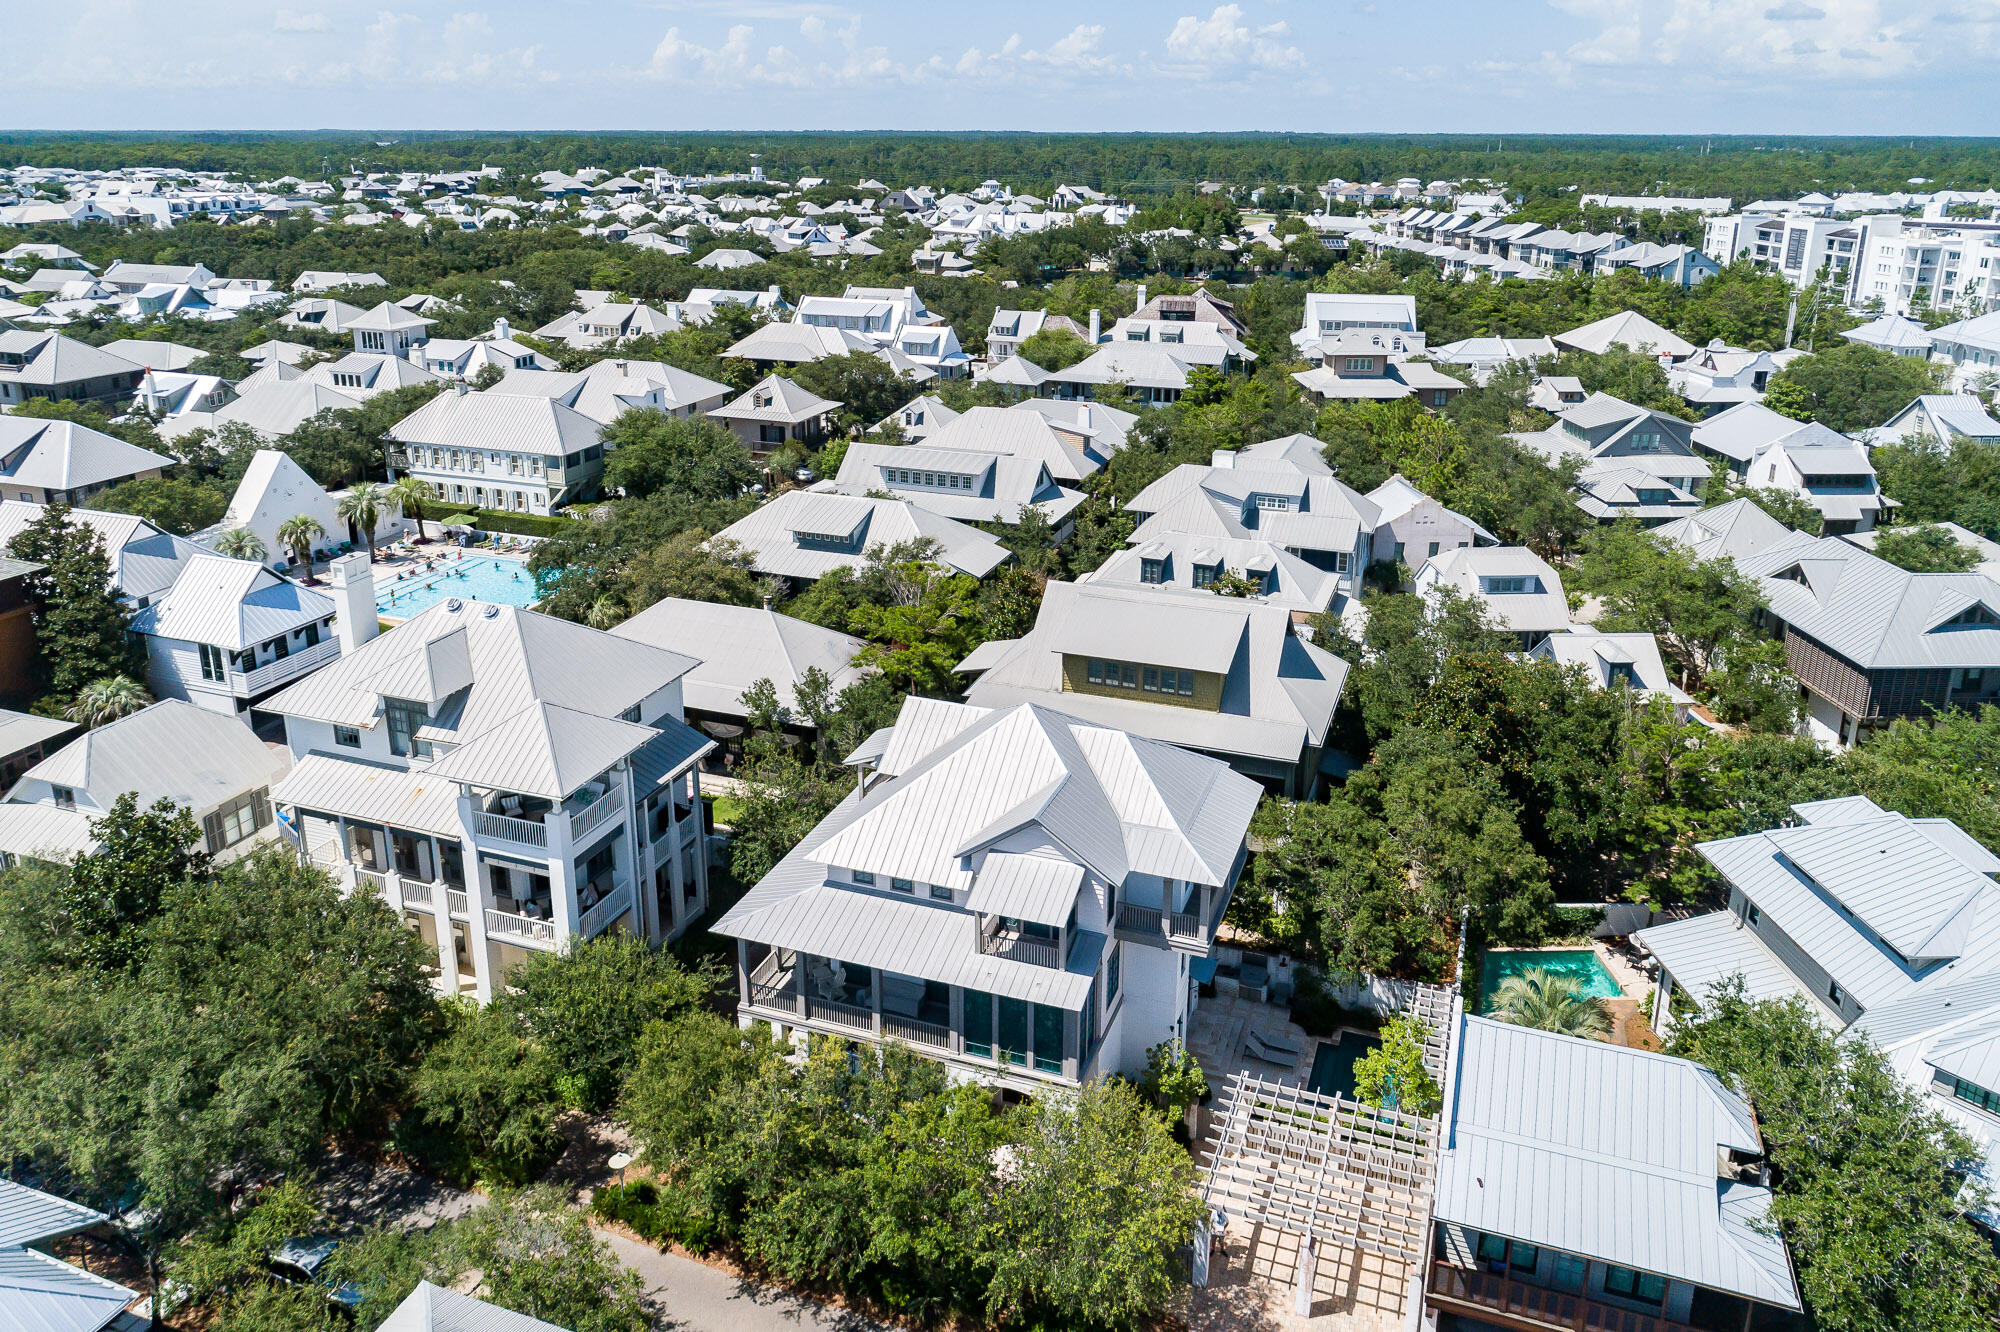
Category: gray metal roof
[1703,950]
[371,793]
[62,455]
[1608,1153]
[740,645]
[20,730]
[1041,889]
[668,754]
[43,1294]
[1628,329]
[503,421]
[1873,613]
[28,1216]
[431,1308]
[233,604]
[169,750]
[769,533]
[1915,895]
[50,359]
[543,750]
[775,399]
[1466,568]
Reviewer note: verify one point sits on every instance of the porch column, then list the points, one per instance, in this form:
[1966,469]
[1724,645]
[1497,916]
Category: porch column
[476,897]
[1302,1293]
[957,1020]
[700,838]
[447,955]
[743,971]
[875,993]
[392,891]
[675,877]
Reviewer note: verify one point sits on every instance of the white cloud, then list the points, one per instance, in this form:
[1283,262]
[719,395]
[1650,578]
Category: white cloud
[832,58]
[1223,40]
[287,21]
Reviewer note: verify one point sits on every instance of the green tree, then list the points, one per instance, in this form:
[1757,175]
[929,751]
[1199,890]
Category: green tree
[1329,864]
[1546,1001]
[1925,548]
[1943,767]
[1753,685]
[107,700]
[864,384]
[648,451]
[1788,397]
[1870,1194]
[693,566]
[111,894]
[299,534]
[1053,349]
[414,498]
[1393,1073]
[586,1007]
[240,543]
[1099,1203]
[1695,608]
[1849,386]
[485,1100]
[171,503]
[780,802]
[1173,1079]
[928,1180]
[362,508]
[80,625]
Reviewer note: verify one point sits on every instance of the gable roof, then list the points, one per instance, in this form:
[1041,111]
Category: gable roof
[62,455]
[232,604]
[50,359]
[1628,329]
[736,646]
[431,1308]
[776,399]
[770,532]
[1871,612]
[168,750]
[492,420]
[543,750]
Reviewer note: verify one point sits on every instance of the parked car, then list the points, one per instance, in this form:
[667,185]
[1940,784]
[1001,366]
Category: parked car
[301,1262]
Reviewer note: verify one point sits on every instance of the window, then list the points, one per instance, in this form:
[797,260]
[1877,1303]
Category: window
[347,736]
[237,820]
[1360,364]
[978,1024]
[1976,1096]
[65,798]
[1641,1286]
[404,719]
[1206,574]
[1750,916]
[1152,571]
[1433,550]
[1976,613]
[1833,993]
[902,886]
[1507,585]
[213,666]
[940,892]
[1111,976]
[1282,503]
[865,876]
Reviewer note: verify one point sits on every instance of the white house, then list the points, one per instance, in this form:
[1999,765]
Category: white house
[505,780]
[275,489]
[1411,527]
[1013,892]
[1614,661]
[61,462]
[218,770]
[1517,589]
[1338,311]
[1941,418]
[493,450]
[1827,470]
[801,535]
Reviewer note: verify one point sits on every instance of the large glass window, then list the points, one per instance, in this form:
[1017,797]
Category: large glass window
[979,1024]
[1111,978]
[404,718]
[1014,1031]
[1976,1095]
[1048,1039]
[1643,1287]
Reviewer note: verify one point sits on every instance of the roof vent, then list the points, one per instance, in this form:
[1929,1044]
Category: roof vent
[454,606]
[488,611]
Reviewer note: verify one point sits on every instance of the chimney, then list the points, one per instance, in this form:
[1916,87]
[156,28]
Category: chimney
[1093,325]
[1142,297]
[355,621]
[501,329]
[621,366]
[459,388]
[1224,458]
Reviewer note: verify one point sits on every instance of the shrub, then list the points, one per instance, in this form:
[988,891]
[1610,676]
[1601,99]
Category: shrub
[656,1216]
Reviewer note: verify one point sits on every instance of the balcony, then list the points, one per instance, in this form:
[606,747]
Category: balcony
[247,684]
[526,931]
[1523,1305]
[506,828]
[840,1014]
[1153,925]
[1017,947]
[774,987]
[591,817]
[609,906]
[936,1035]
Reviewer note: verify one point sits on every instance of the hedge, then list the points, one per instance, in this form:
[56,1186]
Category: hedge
[519,524]
[656,1216]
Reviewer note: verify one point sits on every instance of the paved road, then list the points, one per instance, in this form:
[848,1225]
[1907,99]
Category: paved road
[699,1298]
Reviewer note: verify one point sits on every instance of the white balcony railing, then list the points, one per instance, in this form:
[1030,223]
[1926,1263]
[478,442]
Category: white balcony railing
[501,828]
[595,815]
[525,930]
[609,908]
[417,893]
[457,904]
[247,683]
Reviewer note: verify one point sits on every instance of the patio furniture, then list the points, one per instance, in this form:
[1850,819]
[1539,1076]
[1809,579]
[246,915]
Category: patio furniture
[1269,1051]
[905,997]
[511,806]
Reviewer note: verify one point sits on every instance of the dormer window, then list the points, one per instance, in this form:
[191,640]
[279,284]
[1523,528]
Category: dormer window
[64,797]
[1278,503]
[1206,574]
[1518,583]
[1973,616]
[1152,571]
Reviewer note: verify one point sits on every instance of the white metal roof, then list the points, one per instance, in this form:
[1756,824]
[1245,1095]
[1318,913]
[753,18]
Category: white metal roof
[43,1294]
[371,793]
[28,1216]
[431,1308]
[543,750]
[1703,950]
[1873,613]
[502,421]
[740,645]
[1628,329]
[44,832]
[1609,1153]
[19,730]
[171,750]
[62,455]
[769,533]
[233,604]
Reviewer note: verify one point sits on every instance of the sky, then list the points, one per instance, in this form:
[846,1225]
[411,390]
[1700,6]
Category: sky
[1475,66]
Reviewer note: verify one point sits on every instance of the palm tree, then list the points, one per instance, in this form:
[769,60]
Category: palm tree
[411,496]
[1548,1001]
[362,507]
[240,543]
[298,534]
[106,700]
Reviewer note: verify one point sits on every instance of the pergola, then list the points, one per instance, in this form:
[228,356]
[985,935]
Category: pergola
[1328,1170]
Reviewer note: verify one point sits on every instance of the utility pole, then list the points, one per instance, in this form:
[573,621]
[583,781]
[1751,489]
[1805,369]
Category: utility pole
[1792,318]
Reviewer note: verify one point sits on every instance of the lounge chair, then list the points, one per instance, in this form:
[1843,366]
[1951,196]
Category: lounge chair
[1271,1050]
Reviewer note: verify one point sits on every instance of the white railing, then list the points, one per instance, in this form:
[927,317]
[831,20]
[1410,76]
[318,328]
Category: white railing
[371,881]
[595,815]
[502,828]
[417,893]
[609,908]
[525,929]
[457,904]
[299,662]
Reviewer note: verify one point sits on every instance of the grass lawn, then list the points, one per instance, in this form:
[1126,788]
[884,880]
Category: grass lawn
[726,810]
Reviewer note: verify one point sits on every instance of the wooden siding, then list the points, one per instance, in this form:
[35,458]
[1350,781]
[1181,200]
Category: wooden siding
[1827,674]
[1207,696]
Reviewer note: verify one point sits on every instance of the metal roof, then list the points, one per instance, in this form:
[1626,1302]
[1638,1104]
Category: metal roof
[431,1308]
[1911,892]
[1873,613]
[20,730]
[543,750]
[50,359]
[372,793]
[768,532]
[1703,950]
[233,604]
[1628,329]
[507,422]
[740,645]
[43,1294]
[1040,889]
[1465,568]
[62,455]
[776,399]
[1608,1153]
[44,832]
[28,1216]
[169,750]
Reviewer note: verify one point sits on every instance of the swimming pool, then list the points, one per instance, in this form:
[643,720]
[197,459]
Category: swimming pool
[474,578]
[1333,1064]
[1581,963]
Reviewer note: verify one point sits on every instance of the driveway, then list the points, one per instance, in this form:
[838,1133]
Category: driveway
[700,1298]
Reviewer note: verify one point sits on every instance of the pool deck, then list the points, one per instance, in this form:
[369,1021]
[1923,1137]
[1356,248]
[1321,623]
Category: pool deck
[1629,1012]
[401,558]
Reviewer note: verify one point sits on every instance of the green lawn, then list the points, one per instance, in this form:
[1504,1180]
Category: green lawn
[726,810]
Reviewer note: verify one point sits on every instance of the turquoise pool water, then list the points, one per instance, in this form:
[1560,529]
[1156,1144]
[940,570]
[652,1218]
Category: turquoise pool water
[474,578]
[1582,963]
[1333,1065]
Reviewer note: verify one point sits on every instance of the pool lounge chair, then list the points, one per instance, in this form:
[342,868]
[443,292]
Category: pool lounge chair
[1271,1050]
